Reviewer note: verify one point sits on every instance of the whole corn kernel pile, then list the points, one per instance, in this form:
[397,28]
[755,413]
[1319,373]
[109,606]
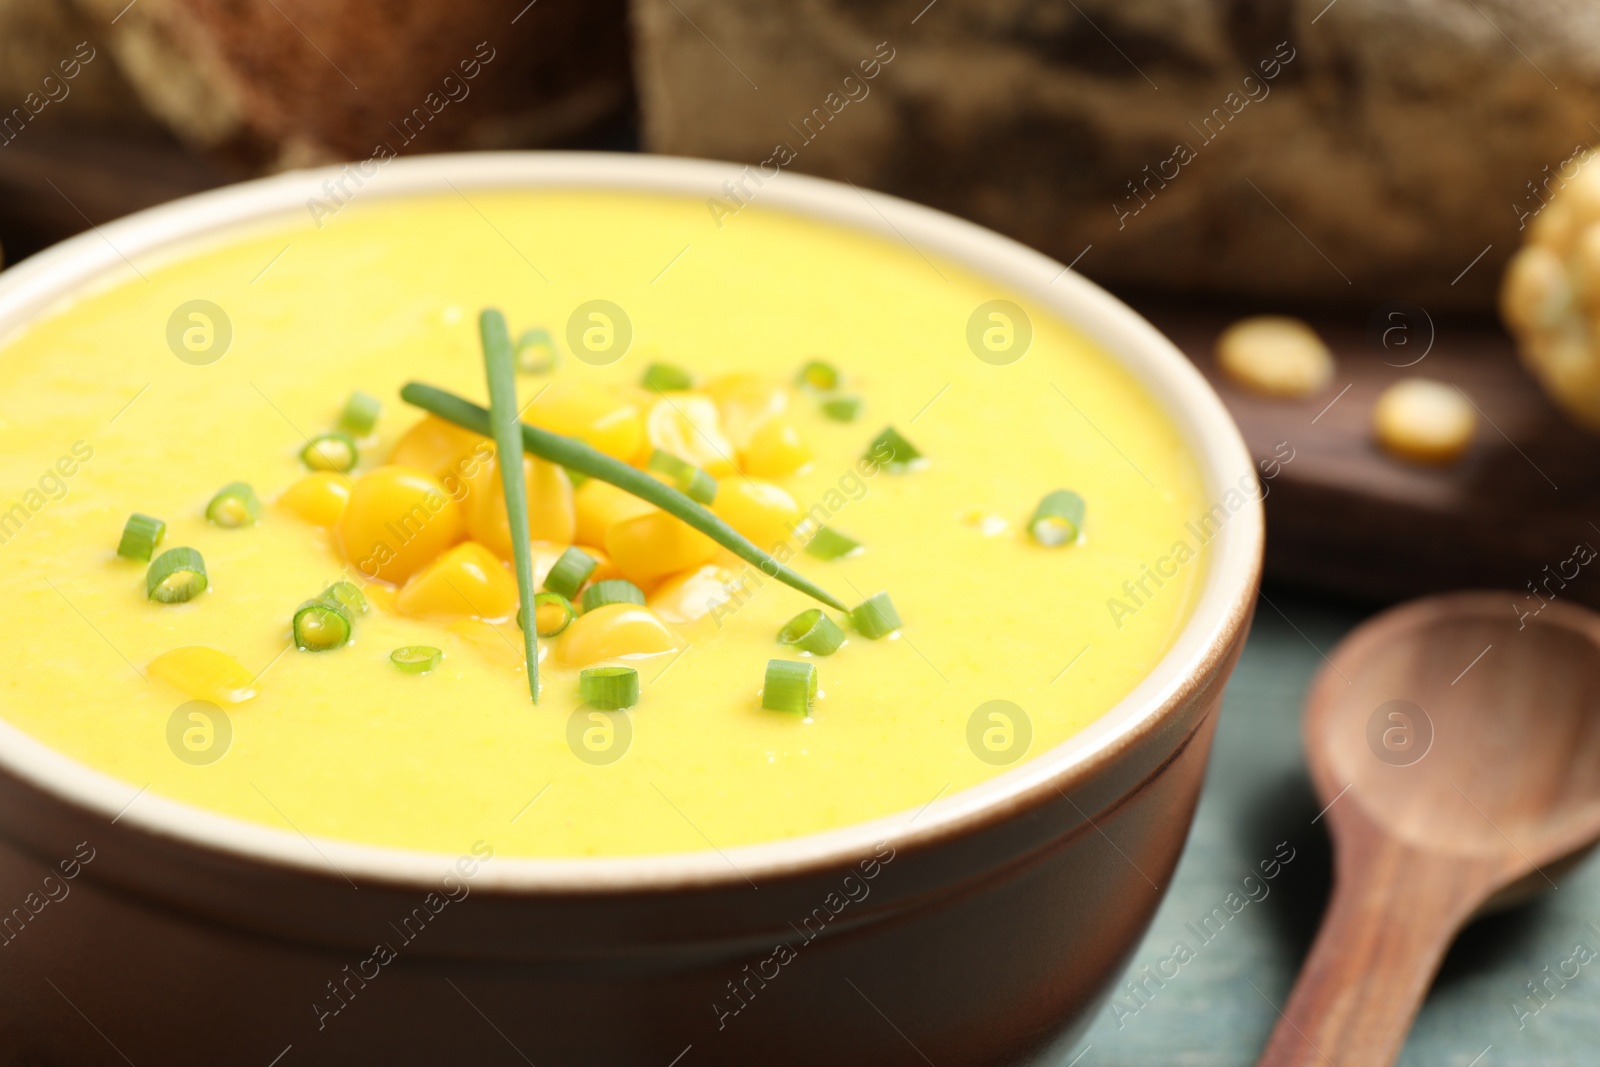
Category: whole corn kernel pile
[1550,297]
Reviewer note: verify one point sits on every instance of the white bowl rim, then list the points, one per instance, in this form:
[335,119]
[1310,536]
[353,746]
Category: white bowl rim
[36,286]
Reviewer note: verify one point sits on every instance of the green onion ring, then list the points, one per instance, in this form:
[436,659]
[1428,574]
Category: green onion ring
[666,378]
[812,631]
[611,591]
[177,575]
[789,686]
[140,536]
[321,626]
[1058,519]
[876,617]
[416,659]
[235,505]
[360,414]
[828,543]
[569,573]
[334,451]
[609,688]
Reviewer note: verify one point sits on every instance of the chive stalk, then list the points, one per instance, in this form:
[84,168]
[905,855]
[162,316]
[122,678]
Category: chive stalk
[235,505]
[789,686]
[500,370]
[176,576]
[140,536]
[574,454]
[690,480]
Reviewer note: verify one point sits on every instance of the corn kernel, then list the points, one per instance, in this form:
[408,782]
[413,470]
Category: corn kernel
[744,402]
[761,511]
[689,597]
[1424,421]
[603,419]
[500,645]
[599,506]
[439,448]
[205,674]
[612,632]
[398,520]
[775,450]
[319,498]
[467,581]
[550,511]
[651,546]
[1275,355]
[686,425]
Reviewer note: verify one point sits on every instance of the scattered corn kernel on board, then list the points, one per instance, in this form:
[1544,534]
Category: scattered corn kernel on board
[1519,511]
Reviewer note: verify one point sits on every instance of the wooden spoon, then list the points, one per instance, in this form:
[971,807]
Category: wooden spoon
[1456,745]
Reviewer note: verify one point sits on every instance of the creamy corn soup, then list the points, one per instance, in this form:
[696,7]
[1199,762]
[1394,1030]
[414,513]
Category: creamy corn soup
[1028,518]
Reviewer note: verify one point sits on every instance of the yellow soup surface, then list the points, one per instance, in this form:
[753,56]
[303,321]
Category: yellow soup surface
[134,398]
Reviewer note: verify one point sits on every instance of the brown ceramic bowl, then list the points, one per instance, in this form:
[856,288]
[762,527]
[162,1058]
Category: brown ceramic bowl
[984,929]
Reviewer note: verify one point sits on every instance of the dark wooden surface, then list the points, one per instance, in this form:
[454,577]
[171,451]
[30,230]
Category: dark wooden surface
[1344,517]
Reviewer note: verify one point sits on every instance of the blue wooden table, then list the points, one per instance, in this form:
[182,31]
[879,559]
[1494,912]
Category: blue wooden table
[1218,1006]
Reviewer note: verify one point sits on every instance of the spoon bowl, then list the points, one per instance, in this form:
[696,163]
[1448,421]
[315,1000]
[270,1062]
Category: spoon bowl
[1455,744]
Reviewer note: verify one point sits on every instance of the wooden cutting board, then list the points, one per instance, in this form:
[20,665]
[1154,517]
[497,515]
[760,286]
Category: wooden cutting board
[1519,512]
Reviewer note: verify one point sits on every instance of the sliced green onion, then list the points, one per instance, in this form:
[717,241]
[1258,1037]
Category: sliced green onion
[570,572]
[321,626]
[334,451]
[611,591]
[876,617]
[842,408]
[552,613]
[536,352]
[500,369]
[812,631]
[689,480]
[665,378]
[820,376]
[347,595]
[828,543]
[140,536]
[609,688]
[360,414]
[575,455]
[789,686]
[416,659]
[889,449]
[234,506]
[1058,519]
[177,575]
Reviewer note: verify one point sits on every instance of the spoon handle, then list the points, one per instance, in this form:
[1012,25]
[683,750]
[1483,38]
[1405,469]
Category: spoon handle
[1393,914]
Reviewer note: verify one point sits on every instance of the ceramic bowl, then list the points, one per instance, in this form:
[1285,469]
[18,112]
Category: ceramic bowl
[983,929]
